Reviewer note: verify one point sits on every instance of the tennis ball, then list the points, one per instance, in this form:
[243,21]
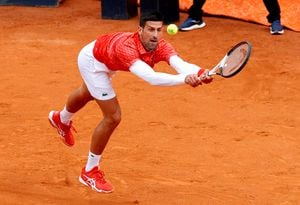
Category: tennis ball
[172,29]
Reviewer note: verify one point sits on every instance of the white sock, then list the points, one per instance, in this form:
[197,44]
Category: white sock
[93,161]
[66,116]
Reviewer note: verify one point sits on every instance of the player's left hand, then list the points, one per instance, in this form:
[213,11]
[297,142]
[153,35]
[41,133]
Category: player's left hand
[204,77]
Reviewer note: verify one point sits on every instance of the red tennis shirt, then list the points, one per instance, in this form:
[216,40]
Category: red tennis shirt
[118,51]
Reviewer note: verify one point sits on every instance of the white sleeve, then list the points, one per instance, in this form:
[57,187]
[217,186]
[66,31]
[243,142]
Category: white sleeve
[145,72]
[182,66]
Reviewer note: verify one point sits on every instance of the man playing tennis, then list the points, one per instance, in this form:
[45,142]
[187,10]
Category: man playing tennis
[135,52]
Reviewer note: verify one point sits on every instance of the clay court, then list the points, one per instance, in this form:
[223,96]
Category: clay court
[232,142]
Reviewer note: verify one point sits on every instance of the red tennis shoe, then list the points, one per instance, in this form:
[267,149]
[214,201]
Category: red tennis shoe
[65,131]
[95,180]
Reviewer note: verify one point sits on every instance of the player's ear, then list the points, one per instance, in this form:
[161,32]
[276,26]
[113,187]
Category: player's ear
[140,30]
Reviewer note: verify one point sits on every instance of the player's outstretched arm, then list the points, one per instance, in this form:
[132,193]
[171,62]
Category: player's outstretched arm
[145,72]
[182,66]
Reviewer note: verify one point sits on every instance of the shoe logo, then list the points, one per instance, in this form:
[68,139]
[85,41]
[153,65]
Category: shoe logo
[60,131]
[90,181]
[104,94]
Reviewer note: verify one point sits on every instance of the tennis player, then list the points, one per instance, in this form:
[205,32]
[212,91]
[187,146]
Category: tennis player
[135,52]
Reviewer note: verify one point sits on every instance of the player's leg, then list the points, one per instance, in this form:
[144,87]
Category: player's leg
[98,82]
[61,120]
[78,98]
[111,118]
[91,175]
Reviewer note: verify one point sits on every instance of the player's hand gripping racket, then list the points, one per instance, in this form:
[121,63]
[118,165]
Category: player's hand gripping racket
[234,61]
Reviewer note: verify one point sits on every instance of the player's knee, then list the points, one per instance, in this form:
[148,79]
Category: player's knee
[117,118]
[114,119]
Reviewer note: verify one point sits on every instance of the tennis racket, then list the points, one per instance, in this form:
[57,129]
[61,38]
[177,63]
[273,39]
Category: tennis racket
[234,61]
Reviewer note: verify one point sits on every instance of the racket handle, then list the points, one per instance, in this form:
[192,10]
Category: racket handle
[200,72]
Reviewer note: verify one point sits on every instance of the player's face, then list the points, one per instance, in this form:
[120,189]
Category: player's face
[151,34]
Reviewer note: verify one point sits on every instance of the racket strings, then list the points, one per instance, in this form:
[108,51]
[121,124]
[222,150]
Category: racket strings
[235,60]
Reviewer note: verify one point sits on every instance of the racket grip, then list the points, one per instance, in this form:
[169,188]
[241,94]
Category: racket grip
[200,72]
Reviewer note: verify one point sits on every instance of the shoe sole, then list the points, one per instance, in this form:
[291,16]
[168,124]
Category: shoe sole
[276,32]
[54,125]
[97,190]
[193,27]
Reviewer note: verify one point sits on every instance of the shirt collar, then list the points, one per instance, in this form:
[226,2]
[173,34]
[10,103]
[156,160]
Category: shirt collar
[139,44]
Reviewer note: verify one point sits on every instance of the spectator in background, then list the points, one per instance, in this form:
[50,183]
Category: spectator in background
[195,21]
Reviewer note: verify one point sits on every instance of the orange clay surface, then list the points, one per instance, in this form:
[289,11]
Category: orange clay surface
[233,142]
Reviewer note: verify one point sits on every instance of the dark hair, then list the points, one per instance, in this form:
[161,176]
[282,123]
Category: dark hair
[150,16]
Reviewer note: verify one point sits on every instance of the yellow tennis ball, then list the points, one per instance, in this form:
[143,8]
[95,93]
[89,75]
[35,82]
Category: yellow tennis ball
[172,29]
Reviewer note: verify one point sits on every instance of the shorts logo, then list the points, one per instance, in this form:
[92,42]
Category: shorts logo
[104,94]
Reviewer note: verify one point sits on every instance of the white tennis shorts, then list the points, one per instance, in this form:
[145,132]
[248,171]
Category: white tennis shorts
[95,74]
